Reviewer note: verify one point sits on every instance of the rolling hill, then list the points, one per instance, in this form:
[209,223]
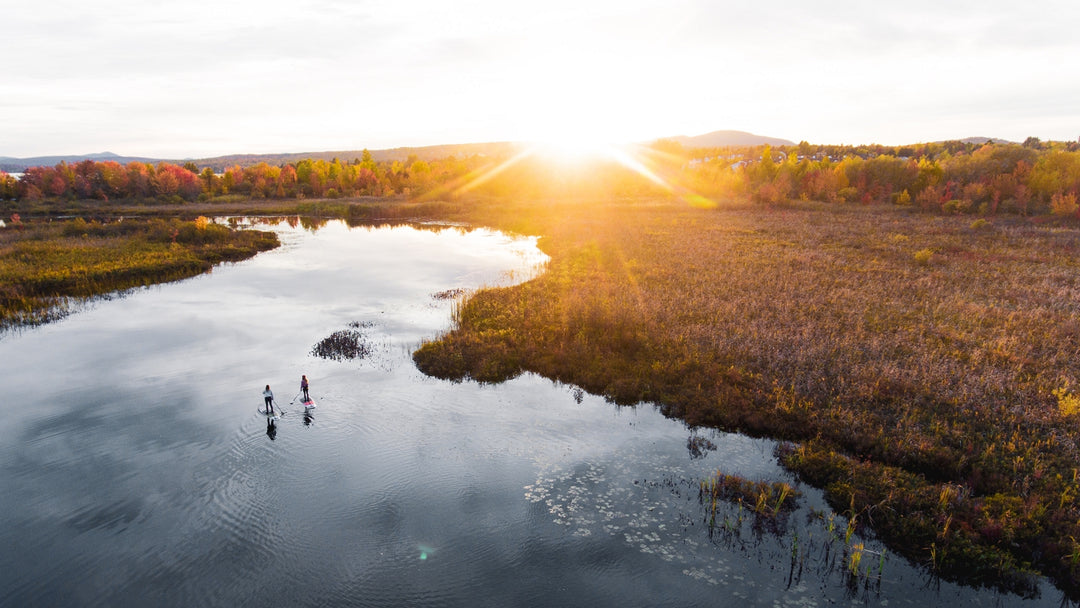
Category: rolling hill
[219,163]
[717,139]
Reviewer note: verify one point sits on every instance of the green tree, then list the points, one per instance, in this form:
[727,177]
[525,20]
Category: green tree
[209,181]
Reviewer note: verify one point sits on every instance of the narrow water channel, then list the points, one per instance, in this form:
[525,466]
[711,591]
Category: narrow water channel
[136,471]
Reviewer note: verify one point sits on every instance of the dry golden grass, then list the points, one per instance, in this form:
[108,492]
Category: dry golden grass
[42,264]
[821,325]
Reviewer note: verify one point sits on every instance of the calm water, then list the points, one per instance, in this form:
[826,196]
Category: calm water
[135,470]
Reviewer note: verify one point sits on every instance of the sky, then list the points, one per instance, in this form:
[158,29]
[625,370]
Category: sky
[206,78]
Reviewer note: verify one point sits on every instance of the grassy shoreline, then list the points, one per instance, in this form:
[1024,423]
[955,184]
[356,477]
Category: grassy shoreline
[43,265]
[924,365]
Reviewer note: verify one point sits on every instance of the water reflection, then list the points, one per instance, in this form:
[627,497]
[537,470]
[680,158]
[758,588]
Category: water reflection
[136,471]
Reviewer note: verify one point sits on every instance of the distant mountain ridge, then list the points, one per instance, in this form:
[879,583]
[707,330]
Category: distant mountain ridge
[714,139]
[981,140]
[8,163]
[219,163]
[718,139]
[426,153]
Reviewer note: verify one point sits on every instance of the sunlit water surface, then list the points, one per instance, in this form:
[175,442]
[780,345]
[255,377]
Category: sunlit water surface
[135,470]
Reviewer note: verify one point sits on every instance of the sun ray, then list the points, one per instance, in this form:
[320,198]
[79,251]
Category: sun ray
[635,159]
[478,177]
[474,178]
[574,153]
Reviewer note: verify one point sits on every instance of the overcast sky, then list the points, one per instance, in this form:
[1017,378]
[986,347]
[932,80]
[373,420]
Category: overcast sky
[205,78]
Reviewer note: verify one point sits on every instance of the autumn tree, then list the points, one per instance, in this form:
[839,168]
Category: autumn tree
[1055,172]
[211,183]
[8,187]
[170,179]
[140,177]
[286,182]
[165,182]
[114,179]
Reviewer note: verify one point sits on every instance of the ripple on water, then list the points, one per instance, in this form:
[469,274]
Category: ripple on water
[239,510]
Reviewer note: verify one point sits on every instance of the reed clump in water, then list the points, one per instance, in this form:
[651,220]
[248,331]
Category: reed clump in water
[760,497]
[343,345]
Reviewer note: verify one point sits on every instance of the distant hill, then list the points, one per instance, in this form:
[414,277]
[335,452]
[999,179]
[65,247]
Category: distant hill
[717,139]
[981,140]
[219,163]
[426,153]
[10,164]
[714,139]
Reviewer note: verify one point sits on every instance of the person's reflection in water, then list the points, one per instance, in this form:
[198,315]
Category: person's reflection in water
[271,429]
[308,418]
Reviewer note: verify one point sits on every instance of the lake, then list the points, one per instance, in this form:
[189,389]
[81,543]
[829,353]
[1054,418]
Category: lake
[136,471]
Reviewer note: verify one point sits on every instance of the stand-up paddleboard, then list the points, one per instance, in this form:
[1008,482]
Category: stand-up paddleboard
[269,415]
[309,403]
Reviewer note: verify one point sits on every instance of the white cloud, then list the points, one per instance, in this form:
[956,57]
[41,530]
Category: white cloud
[209,78]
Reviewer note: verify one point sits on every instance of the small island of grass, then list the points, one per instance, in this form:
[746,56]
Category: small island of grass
[43,265]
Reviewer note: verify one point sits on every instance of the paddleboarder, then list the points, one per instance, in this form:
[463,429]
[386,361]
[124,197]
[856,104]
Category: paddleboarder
[304,387]
[269,398]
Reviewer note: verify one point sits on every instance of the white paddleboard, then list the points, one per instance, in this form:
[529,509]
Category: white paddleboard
[309,404]
[268,414]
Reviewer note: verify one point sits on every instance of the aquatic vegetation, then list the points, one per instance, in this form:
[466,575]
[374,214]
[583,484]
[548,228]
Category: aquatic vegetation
[343,345]
[653,512]
[449,294]
[763,498]
[699,446]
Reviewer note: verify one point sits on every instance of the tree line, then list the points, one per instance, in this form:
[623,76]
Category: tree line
[949,177]
[110,180]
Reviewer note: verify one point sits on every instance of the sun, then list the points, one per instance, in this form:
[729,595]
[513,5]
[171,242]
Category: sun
[573,148]
[571,138]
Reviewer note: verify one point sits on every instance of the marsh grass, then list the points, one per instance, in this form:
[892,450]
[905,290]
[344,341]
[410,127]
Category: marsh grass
[819,325]
[45,264]
[761,497]
[343,345]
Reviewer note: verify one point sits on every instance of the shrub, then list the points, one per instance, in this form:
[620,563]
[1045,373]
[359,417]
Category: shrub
[1068,403]
[75,227]
[1063,204]
[923,256]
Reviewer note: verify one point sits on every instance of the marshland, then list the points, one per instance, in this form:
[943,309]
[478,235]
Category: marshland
[932,399]
[45,264]
[899,336]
